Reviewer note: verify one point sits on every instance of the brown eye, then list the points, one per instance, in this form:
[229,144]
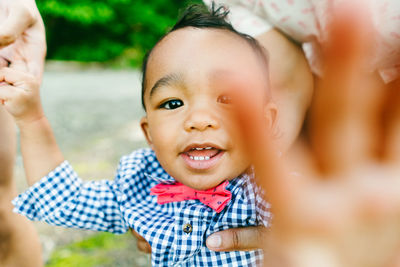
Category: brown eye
[171,104]
[225,99]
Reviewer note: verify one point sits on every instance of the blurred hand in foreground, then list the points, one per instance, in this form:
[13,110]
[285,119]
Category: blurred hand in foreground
[343,209]
[22,36]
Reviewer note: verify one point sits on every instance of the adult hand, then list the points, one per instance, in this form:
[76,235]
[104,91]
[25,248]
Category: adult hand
[245,238]
[22,36]
[344,208]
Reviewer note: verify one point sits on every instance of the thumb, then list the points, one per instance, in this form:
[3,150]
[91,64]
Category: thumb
[246,238]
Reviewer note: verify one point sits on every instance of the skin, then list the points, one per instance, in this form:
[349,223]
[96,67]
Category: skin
[334,213]
[292,84]
[205,95]
[292,88]
[290,79]
[345,209]
[41,153]
[22,36]
[22,46]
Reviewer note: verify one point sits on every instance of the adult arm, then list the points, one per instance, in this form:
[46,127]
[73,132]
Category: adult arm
[292,85]
[291,79]
[291,82]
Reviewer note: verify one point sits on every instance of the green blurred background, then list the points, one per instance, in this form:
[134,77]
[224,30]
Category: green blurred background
[115,32]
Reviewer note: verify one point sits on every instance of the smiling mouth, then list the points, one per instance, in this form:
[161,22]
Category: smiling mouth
[201,157]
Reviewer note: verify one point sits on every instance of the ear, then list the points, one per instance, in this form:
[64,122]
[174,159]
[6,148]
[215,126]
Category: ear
[145,129]
[271,115]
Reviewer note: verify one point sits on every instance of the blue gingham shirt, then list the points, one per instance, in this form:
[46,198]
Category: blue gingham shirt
[62,198]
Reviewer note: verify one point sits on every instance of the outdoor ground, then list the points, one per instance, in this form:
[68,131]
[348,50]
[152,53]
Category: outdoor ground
[95,115]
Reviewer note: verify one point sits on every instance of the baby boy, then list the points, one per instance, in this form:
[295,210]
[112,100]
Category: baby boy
[194,180]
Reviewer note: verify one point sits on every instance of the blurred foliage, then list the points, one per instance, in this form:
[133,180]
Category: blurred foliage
[120,31]
[103,249]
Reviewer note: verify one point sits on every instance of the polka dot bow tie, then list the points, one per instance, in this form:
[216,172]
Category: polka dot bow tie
[216,198]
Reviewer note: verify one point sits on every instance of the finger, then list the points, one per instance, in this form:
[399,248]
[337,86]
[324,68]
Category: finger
[137,236]
[19,65]
[379,199]
[30,55]
[30,59]
[391,118]
[347,99]
[13,76]
[246,238]
[144,246]
[395,261]
[35,65]
[18,20]
[3,62]
[258,135]
[6,54]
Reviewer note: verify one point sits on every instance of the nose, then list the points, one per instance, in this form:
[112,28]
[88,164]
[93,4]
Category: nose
[201,119]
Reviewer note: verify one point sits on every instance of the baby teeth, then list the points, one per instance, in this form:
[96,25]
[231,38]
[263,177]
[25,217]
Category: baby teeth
[201,148]
[199,158]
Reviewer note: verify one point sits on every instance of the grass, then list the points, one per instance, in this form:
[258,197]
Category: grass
[99,250]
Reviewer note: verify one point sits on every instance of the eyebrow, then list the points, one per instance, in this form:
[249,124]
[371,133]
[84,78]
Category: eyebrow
[167,80]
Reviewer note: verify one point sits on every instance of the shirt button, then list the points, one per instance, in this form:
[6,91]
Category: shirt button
[187,228]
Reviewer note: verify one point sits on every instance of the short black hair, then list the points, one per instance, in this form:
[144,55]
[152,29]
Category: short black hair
[199,16]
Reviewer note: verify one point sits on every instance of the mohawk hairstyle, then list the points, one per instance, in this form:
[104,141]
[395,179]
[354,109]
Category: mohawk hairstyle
[199,16]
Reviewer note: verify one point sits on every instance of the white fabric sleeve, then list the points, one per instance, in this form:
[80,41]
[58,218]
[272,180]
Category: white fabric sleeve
[246,16]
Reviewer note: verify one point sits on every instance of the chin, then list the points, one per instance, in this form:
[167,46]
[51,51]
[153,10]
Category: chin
[200,182]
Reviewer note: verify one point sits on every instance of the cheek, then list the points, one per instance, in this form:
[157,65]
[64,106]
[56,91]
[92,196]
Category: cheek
[164,132]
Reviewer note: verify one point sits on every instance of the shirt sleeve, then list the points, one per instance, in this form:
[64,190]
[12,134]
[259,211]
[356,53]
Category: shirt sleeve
[61,198]
[246,16]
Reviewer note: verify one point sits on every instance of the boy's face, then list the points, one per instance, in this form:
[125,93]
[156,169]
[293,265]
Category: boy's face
[190,77]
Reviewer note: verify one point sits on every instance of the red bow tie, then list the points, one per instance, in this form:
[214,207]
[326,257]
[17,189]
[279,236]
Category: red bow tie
[216,198]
